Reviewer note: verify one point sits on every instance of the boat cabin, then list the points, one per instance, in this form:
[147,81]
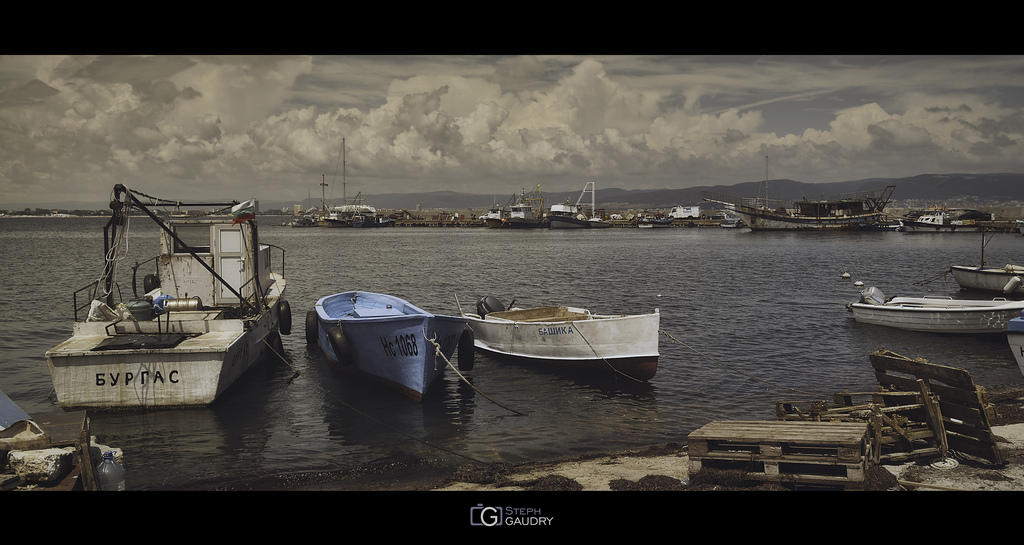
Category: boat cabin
[227,248]
[833,208]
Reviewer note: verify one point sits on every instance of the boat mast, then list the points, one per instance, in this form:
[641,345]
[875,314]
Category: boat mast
[766,181]
[344,184]
[323,197]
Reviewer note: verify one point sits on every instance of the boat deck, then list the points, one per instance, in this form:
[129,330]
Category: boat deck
[542,314]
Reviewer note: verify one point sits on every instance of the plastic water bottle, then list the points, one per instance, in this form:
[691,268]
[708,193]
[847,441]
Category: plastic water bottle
[110,473]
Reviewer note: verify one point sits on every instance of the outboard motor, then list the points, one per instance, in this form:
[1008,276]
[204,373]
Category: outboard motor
[487,305]
[872,296]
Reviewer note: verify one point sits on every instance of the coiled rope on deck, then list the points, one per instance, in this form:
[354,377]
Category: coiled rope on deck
[733,369]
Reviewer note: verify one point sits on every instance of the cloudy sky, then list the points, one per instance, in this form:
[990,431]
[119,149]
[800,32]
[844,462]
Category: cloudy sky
[235,127]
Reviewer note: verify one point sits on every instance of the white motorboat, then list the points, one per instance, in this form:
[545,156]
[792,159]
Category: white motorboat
[935,314]
[731,223]
[212,310]
[942,220]
[1005,279]
[387,339]
[569,337]
[1015,337]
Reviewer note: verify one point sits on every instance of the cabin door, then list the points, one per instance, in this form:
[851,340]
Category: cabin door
[229,257]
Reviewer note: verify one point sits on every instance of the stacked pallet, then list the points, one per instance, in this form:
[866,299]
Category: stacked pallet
[795,454]
[921,410]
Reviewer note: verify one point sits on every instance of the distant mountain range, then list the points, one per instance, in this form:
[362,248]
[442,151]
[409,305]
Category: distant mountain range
[922,190]
[938,189]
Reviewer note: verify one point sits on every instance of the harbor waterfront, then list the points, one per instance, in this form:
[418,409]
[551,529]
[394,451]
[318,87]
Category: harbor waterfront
[747,319]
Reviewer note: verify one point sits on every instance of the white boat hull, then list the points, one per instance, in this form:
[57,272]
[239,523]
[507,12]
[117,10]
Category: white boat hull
[991,279]
[626,343]
[388,344]
[940,315]
[193,372]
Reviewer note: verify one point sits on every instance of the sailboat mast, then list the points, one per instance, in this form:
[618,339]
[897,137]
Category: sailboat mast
[344,184]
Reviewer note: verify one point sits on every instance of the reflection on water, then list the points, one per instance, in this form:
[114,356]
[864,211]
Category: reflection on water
[748,319]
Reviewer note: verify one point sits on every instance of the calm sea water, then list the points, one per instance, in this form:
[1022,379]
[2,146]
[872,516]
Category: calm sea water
[748,319]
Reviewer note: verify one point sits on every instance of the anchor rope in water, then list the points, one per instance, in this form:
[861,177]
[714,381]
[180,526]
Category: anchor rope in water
[437,351]
[363,414]
[933,278]
[733,369]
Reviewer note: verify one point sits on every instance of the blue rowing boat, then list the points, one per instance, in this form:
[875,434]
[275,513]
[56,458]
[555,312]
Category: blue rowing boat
[387,339]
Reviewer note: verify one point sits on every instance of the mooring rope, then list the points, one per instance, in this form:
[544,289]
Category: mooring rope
[733,369]
[437,351]
[363,414]
[592,349]
[934,278]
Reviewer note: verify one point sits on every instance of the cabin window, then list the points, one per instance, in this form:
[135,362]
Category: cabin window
[196,237]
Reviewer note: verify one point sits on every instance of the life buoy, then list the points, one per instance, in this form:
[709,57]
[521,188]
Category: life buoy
[466,349]
[285,318]
[339,343]
[312,327]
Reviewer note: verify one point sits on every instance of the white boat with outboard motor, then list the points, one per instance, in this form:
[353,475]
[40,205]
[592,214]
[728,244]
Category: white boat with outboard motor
[388,339]
[935,314]
[214,307]
[569,337]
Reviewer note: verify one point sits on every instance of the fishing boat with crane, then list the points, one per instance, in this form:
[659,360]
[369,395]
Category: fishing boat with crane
[854,211]
[574,216]
[213,309]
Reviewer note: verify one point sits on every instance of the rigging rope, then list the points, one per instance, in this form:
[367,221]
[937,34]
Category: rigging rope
[114,255]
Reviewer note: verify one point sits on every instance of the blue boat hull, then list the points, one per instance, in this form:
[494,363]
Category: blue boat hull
[387,339]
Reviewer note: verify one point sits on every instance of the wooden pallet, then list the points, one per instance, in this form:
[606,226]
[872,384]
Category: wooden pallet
[962,416]
[801,454]
[902,424]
